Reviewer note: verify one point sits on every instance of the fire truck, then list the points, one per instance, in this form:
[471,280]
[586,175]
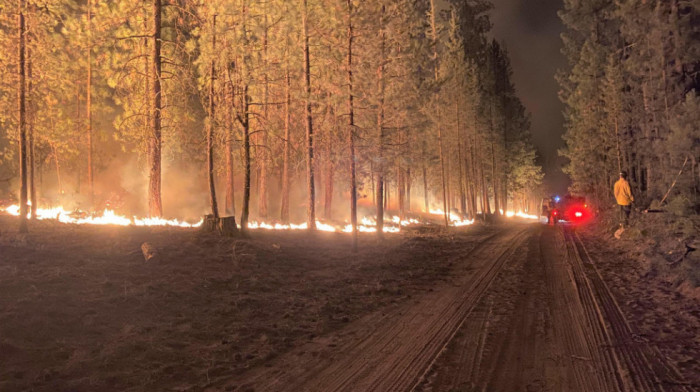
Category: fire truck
[569,209]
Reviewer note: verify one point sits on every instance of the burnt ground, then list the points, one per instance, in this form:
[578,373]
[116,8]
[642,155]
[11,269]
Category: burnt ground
[503,307]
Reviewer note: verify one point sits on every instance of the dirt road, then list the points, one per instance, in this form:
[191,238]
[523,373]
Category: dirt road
[526,310]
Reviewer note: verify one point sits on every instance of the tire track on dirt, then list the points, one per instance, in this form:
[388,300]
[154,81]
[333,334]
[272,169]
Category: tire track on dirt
[392,352]
[640,365]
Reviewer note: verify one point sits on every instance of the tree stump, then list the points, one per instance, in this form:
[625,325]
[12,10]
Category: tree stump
[227,226]
[210,224]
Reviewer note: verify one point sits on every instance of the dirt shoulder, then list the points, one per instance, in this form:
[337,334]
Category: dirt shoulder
[653,281]
[81,310]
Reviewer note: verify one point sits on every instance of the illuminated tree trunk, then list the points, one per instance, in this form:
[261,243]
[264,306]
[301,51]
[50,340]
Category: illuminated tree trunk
[284,208]
[88,107]
[351,133]
[425,189]
[472,163]
[246,157]
[494,171]
[494,181]
[212,123]
[380,127]
[433,28]
[462,196]
[264,149]
[22,102]
[54,152]
[311,210]
[408,189]
[155,204]
[31,118]
[245,123]
[230,190]
[328,192]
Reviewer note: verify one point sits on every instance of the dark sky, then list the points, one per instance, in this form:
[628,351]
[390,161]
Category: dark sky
[530,30]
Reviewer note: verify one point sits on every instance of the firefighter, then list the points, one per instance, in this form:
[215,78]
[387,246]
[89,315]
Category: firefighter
[623,195]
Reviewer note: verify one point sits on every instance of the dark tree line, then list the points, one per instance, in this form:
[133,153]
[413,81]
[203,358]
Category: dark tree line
[632,98]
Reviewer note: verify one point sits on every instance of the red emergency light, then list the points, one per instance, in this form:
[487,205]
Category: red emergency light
[577,214]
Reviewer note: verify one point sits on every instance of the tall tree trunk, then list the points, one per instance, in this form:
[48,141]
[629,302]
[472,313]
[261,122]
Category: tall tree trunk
[245,122]
[31,118]
[462,196]
[212,123]
[311,207]
[284,207]
[433,27]
[54,152]
[494,170]
[155,203]
[351,133]
[21,103]
[88,107]
[264,149]
[230,186]
[494,181]
[408,189]
[426,202]
[246,157]
[472,162]
[380,127]
[328,193]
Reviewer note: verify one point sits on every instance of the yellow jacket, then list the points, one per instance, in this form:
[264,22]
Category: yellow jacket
[623,194]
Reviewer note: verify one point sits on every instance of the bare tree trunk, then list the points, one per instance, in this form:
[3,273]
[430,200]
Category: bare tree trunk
[230,186]
[311,208]
[246,157]
[88,107]
[433,27]
[22,102]
[401,192]
[494,171]
[212,123]
[284,208]
[494,181]
[425,189]
[31,117]
[462,197]
[472,163]
[408,189]
[54,151]
[245,123]
[264,155]
[351,133]
[380,128]
[328,193]
[155,203]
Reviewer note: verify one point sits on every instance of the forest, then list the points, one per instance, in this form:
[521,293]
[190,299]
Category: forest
[631,99]
[280,111]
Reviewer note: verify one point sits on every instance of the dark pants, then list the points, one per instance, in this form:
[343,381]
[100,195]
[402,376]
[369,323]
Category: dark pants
[625,214]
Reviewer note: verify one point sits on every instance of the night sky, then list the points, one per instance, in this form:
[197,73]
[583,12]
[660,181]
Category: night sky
[530,30]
